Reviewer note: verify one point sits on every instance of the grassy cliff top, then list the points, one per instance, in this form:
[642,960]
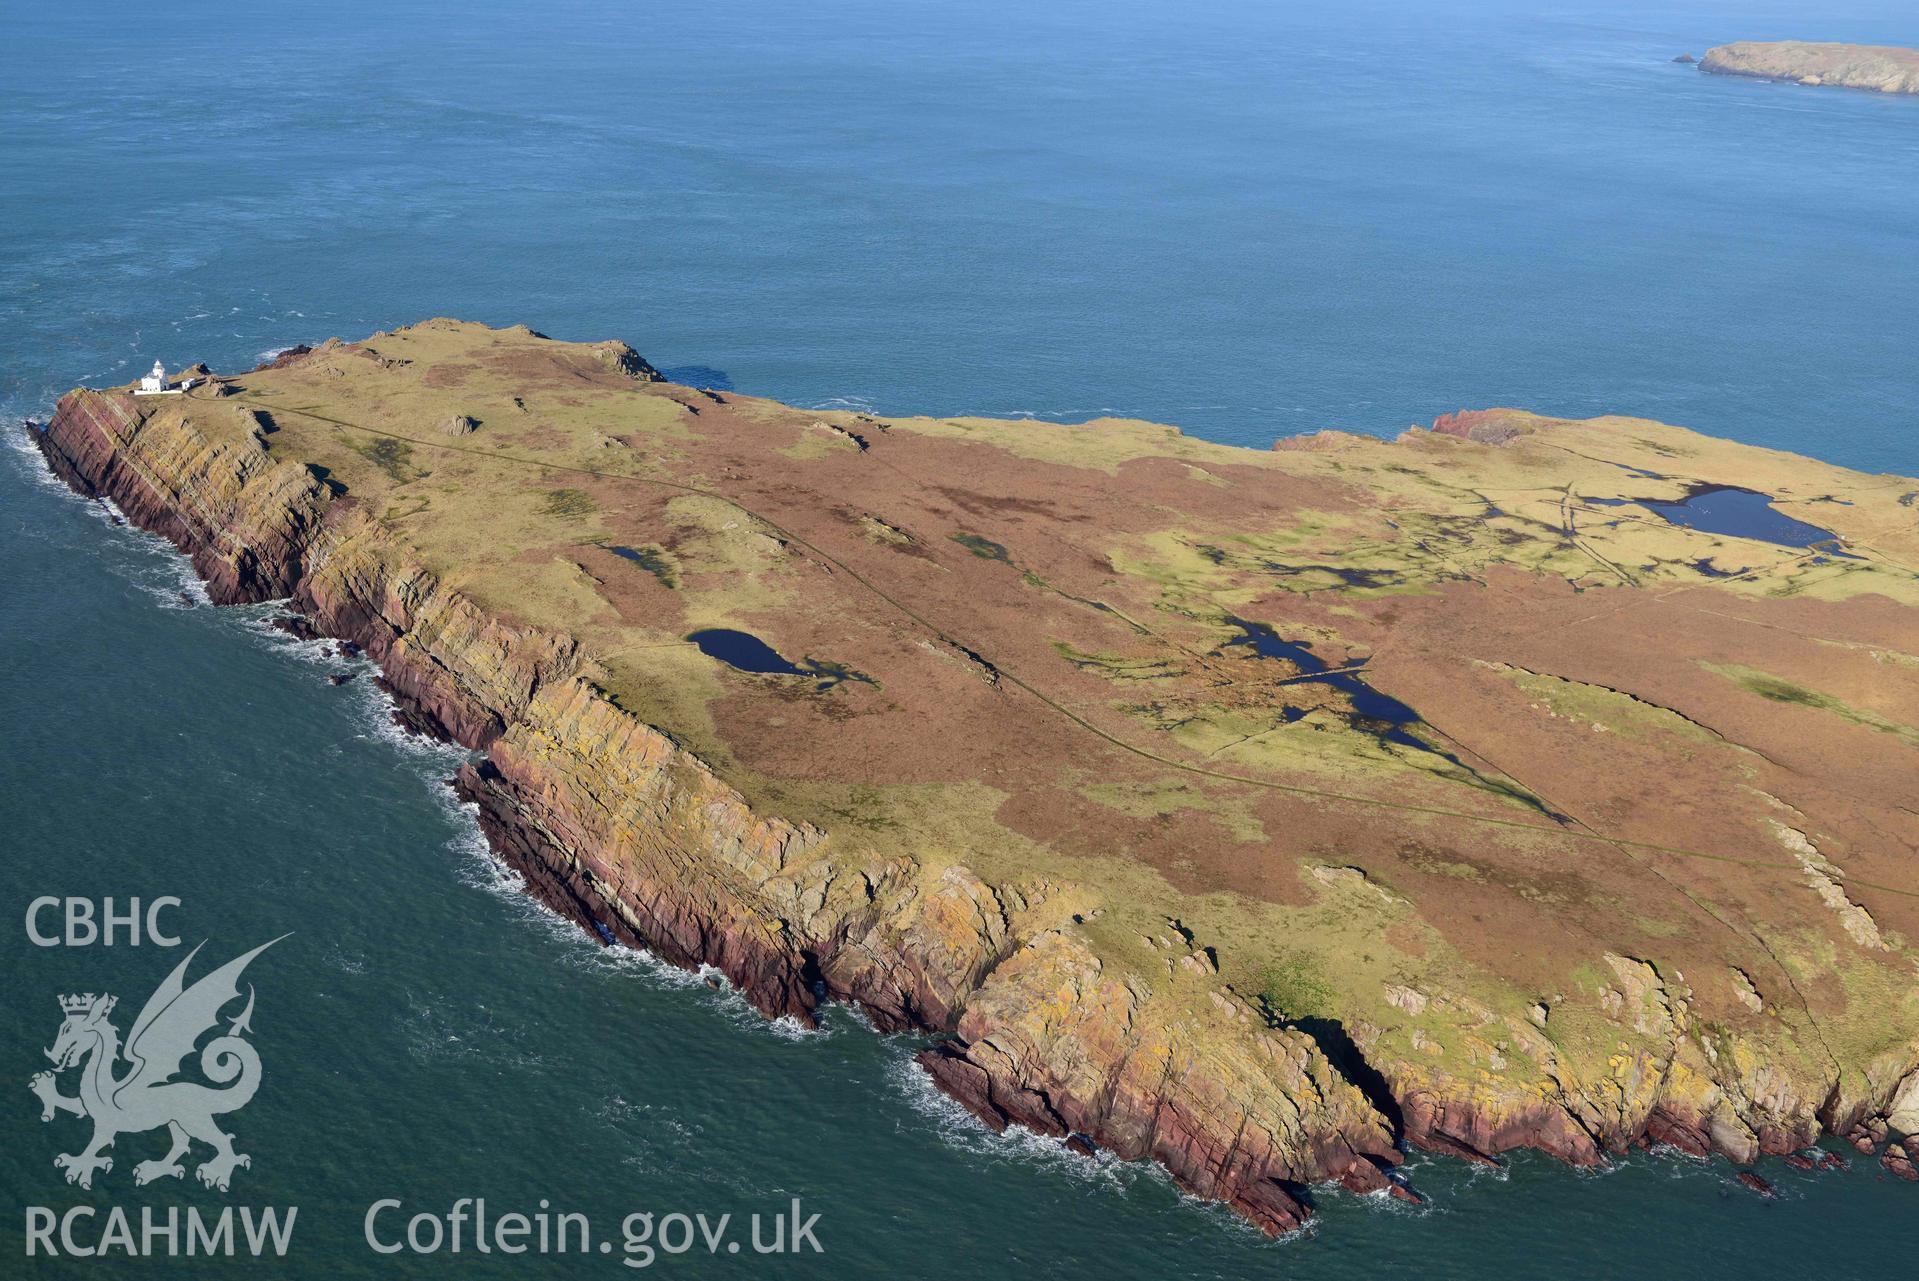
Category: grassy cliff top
[1414,734]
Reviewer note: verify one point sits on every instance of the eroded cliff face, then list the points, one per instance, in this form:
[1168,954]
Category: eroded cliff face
[1686,1085]
[242,518]
[619,827]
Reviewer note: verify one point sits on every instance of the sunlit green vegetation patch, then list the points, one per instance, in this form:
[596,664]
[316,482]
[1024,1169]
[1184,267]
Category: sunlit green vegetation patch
[1119,667]
[394,457]
[567,502]
[984,548]
[1777,689]
[1293,986]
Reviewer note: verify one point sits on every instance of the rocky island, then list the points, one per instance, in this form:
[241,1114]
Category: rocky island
[1883,68]
[1522,783]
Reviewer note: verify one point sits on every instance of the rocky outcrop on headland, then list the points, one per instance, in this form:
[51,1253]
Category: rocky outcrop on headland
[1490,426]
[1881,68]
[284,357]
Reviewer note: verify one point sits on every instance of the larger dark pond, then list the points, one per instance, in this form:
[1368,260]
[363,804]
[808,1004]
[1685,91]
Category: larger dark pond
[748,653]
[1735,512]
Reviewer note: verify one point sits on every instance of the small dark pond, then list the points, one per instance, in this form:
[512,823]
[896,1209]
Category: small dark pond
[748,653]
[1705,566]
[648,560]
[639,556]
[1737,513]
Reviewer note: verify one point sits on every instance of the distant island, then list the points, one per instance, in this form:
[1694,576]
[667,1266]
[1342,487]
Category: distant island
[1881,68]
[1519,783]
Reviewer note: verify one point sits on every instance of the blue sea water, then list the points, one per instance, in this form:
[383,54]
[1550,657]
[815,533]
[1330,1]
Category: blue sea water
[1247,219]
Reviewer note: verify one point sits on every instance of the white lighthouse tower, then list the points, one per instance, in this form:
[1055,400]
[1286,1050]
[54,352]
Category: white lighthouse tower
[156,384]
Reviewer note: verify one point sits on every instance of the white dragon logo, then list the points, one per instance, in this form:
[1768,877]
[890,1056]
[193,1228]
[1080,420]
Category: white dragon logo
[147,1097]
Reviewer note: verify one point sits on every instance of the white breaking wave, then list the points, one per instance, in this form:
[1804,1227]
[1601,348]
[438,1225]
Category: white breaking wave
[960,1129]
[34,469]
[858,404]
[148,562]
[482,869]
